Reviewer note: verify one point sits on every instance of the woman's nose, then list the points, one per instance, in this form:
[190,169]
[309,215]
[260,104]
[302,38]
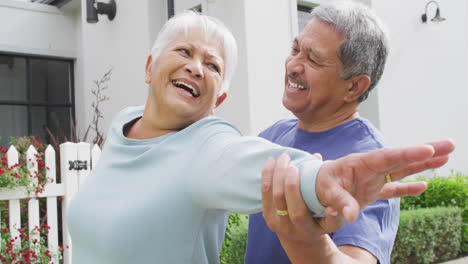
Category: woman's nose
[195,69]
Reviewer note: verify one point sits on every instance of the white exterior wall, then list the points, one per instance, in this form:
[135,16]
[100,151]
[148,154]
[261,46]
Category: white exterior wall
[420,97]
[122,44]
[29,28]
[423,90]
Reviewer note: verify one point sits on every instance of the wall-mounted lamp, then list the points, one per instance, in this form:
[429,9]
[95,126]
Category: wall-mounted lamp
[436,18]
[93,8]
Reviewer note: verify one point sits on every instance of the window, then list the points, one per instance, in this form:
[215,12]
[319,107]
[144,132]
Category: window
[35,93]
[303,13]
[197,8]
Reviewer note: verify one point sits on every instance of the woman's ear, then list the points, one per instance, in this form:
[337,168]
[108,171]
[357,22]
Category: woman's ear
[359,85]
[220,99]
[148,69]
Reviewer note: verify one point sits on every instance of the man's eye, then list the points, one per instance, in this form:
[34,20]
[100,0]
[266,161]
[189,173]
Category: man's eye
[214,67]
[294,50]
[312,60]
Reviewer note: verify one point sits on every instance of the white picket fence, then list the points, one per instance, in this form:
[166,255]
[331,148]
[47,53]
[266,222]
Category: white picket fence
[76,160]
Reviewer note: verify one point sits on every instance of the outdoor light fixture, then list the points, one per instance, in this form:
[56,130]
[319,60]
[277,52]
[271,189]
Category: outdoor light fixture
[93,8]
[436,18]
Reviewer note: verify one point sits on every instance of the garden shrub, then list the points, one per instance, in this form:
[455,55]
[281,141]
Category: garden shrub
[235,239]
[443,191]
[427,235]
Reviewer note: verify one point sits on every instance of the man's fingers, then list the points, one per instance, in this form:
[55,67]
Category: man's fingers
[397,189]
[278,182]
[332,220]
[267,193]
[298,212]
[318,156]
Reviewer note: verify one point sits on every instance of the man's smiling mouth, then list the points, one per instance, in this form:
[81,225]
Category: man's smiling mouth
[296,85]
[187,87]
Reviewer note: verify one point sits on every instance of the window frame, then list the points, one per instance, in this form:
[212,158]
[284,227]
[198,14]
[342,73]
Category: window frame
[29,102]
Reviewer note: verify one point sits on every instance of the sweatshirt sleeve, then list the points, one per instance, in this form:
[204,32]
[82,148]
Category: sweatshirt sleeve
[228,172]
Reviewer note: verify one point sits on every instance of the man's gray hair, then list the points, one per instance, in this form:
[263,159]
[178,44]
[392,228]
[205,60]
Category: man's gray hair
[212,28]
[365,48]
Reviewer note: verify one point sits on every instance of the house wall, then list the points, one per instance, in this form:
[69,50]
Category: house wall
[121,45]
[423,90]
[36,29]
[254,101]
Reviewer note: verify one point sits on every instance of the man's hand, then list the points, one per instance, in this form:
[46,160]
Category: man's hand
[303,237]
[281,191]
[352,182]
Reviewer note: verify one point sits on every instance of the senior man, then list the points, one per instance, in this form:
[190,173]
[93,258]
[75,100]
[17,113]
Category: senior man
[334,63]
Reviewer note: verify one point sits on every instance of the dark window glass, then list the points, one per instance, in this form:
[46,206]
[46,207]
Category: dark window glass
[56,119]
[13,122]
[12,78]
[197,8]
[303,13]
[302,18]
[50,81]
[35,93]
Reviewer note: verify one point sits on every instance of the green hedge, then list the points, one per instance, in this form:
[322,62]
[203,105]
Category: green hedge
[428,235]
[443,191]
[417,227]
[235,240]
[424,236]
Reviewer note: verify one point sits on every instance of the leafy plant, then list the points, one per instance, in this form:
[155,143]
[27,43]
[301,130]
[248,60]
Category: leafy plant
[35,252]
[18,174]
[427,235]
[235,239]
[15,176]
[443,191]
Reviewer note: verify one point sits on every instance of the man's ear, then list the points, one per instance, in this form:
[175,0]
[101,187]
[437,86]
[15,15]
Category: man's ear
[220,99]
[148,69]
[358,85]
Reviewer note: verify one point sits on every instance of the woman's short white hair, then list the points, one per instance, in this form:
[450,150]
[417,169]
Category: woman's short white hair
[211,27]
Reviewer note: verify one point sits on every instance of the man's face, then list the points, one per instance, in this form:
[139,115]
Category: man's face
[187,77]
[313,87]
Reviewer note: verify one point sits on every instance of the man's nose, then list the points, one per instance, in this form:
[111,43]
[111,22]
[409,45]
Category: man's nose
[295,67]
[195,69]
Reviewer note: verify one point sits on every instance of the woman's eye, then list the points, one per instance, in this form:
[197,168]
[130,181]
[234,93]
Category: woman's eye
[185,51]
[214,67]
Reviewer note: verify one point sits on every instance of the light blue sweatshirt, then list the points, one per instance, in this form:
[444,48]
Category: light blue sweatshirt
[167,199]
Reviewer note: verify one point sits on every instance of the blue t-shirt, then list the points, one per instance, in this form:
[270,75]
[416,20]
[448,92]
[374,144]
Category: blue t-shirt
[376,227]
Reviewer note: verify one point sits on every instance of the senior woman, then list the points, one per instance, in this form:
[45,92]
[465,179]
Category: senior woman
[170,172]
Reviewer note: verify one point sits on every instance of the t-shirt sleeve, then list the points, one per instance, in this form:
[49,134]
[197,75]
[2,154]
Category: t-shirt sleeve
[374,230]
[228,175]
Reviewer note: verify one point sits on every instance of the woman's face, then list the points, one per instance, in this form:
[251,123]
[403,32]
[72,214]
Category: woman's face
[186,78]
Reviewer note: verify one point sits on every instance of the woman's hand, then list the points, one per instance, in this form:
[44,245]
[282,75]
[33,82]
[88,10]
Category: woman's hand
[352,182]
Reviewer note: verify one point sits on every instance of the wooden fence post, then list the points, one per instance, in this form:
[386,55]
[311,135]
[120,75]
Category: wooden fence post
[84,154]
[33,203]
[68,153]
[14,205]
[52,239]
